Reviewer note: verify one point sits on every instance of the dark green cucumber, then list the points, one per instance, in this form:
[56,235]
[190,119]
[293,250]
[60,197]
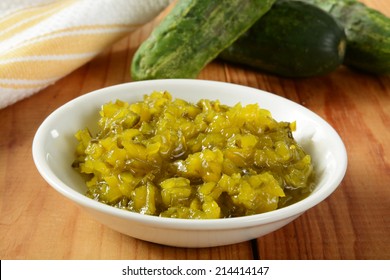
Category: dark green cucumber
[294,39]
[368,34]
[193,34]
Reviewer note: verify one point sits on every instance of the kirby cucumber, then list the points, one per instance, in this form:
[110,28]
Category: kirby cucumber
[193,34]
[368,34]
[294,39]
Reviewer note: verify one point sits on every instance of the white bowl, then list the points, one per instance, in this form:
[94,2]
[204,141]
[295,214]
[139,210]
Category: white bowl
[54,146]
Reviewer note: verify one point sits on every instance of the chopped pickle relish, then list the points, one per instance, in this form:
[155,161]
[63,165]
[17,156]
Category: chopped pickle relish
[172,158]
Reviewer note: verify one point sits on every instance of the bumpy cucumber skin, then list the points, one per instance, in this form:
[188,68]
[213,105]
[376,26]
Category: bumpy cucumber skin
[368,34]
[193,34]
[293,39]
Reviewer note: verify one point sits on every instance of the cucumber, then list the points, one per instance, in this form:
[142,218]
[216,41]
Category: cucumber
[192,35]
[294,39]
[368,34]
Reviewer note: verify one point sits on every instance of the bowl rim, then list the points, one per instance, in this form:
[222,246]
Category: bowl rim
[295,209]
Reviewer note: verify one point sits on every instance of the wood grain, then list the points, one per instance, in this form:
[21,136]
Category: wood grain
[353,223]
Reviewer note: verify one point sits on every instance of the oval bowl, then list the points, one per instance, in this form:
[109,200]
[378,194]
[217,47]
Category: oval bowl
[54,146]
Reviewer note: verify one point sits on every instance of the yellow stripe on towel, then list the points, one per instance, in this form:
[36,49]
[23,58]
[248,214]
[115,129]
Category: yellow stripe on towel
[84,39]
[25,84]
[50,66]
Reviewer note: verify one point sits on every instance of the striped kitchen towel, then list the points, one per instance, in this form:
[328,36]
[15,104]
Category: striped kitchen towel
[41,41]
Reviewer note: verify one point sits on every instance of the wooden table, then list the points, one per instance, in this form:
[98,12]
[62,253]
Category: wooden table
[353,223]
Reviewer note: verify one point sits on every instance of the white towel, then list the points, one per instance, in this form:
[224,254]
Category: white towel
[42,41]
